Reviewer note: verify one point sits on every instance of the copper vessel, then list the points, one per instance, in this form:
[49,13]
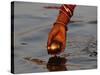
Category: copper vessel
[55,47]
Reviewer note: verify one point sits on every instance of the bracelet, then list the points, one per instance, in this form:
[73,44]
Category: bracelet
[68,10]
[61,24]
[65,14]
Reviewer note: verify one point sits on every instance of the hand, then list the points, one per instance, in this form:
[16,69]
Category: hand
[58,33]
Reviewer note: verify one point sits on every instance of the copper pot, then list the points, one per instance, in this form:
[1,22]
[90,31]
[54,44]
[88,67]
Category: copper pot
[55,47]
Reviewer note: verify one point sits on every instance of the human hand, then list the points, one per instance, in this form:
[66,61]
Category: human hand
[58,32]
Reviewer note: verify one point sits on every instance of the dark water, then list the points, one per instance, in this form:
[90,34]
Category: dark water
[32,24]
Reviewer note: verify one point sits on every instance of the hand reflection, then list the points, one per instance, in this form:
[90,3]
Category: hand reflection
[56,63]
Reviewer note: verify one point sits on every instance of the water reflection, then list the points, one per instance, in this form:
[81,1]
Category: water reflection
[56,64]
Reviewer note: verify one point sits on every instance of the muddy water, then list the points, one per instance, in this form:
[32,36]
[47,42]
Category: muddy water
[32,23]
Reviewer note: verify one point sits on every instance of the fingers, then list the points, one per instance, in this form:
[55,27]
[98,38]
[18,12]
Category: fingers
[57,33]
[63,46]
[64,41]
[52,34]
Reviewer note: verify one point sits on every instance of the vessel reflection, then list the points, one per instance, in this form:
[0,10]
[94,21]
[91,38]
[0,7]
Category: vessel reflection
[56,63]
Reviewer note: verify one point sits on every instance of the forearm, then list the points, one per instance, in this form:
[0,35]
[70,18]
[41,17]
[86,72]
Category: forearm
[65,14]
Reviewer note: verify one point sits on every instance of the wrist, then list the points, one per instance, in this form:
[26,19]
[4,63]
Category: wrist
[61,24]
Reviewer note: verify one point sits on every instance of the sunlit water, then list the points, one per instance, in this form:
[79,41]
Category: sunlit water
[32,24]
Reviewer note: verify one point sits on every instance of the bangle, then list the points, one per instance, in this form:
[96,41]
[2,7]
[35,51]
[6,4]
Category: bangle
[65,14]
[61,24]
[68,10]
